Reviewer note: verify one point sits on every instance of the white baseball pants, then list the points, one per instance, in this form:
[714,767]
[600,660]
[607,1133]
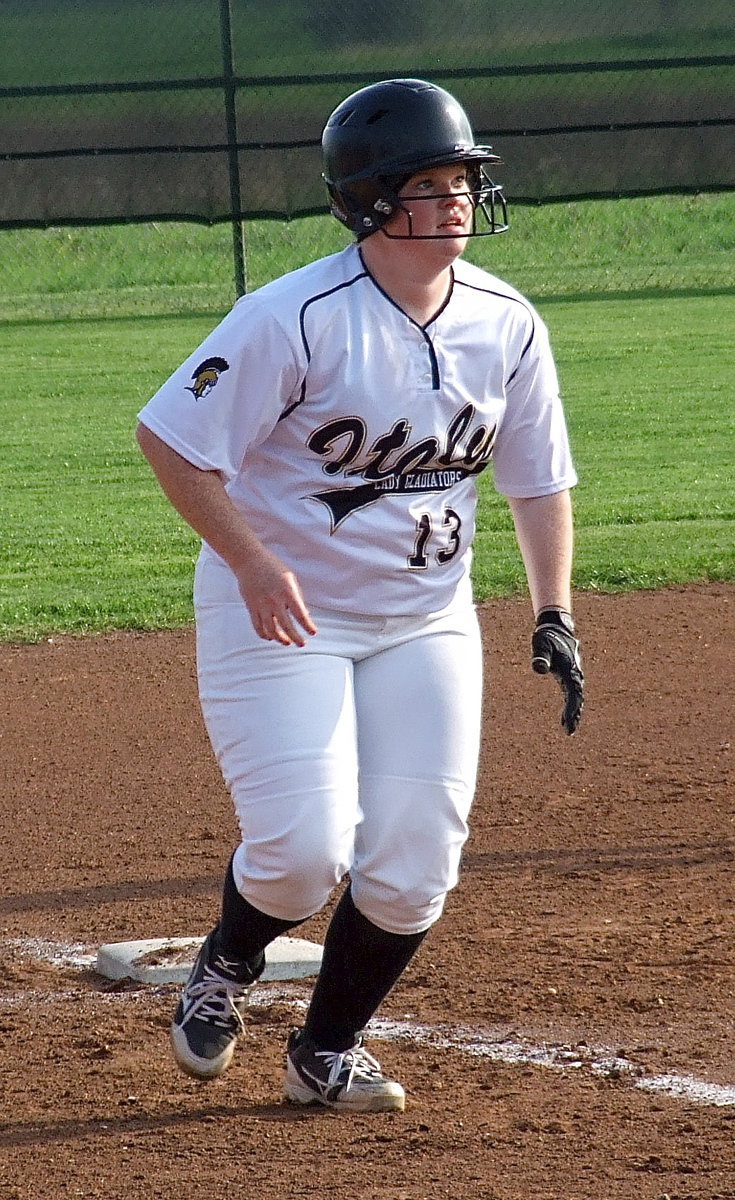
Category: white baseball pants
[356,753]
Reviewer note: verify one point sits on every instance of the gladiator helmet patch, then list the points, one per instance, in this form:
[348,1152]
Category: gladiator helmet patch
[206,376]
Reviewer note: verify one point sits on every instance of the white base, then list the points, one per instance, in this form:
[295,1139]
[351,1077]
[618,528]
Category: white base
[169,960]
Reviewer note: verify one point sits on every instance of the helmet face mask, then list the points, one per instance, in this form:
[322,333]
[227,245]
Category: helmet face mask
[486,198]
[377,139]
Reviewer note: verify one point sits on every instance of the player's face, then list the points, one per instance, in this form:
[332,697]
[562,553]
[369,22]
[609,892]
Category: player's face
[435,203]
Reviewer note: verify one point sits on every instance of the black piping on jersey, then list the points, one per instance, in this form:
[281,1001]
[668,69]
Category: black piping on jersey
[435,378]
[507,296]
[302,327]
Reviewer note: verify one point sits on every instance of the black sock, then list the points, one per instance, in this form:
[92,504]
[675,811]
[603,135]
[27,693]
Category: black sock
[360,965]
[245,931]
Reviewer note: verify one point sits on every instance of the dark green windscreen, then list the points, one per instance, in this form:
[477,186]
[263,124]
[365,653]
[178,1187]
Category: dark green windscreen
[113,112]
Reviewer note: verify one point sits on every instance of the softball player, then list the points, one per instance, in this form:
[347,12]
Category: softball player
[325,442]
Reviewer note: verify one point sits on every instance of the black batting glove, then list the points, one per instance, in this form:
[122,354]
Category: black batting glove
[556,651]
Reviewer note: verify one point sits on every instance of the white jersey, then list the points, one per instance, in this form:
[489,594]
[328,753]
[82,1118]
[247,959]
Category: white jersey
[350,437]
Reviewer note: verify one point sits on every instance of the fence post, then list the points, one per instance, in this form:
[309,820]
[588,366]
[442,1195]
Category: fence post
[228,75]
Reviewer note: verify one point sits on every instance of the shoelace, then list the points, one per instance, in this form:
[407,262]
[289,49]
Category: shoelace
[356,1061]
[215,1000]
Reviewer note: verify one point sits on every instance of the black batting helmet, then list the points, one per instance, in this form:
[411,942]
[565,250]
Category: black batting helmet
[379,137]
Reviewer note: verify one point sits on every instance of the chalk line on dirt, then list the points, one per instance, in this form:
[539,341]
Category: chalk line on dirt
[517,1051]
[514,1050]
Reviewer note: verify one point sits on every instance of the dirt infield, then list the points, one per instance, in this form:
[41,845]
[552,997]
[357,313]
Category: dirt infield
[566,1031]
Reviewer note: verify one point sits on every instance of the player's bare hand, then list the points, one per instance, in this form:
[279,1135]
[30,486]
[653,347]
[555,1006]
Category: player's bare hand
[556,651]
[273,598]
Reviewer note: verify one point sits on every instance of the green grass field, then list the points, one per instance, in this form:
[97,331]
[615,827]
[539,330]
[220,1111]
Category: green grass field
[640,299]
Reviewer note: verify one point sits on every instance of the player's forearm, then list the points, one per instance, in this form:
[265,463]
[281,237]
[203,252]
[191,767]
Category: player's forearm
[268,588]
[545,535]
[200,498]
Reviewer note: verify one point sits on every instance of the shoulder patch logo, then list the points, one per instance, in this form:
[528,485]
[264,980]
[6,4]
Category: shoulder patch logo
[206,375]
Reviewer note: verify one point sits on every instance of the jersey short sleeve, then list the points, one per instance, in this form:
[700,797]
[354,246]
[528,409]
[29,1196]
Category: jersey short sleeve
[230,393]
[532,456]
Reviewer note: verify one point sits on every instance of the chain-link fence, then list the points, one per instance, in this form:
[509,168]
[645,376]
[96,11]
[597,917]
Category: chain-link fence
[211,111]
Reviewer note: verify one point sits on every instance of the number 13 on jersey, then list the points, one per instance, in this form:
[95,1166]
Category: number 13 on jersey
[447,537]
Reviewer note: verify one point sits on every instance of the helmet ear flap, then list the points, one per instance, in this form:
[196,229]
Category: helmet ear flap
[340,206]
[364,207]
